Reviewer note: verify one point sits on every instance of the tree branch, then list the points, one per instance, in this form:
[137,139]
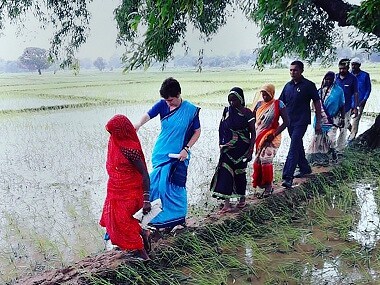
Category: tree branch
[337,10]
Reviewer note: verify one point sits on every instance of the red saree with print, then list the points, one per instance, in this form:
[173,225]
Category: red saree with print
[124,187]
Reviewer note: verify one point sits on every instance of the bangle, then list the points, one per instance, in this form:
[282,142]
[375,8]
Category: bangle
[186,148]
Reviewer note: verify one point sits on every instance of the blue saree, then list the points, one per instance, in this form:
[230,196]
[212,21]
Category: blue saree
[323,143]
[175,133]
[331,100]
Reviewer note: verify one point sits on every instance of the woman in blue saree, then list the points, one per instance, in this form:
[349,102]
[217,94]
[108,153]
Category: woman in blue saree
[323,144]
[180,129]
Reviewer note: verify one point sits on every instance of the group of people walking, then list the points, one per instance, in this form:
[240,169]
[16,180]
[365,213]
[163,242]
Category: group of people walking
[245,134]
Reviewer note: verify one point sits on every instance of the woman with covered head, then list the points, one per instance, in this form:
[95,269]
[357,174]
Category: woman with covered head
[268,137]
[127,187]
[236,142]
[332,117]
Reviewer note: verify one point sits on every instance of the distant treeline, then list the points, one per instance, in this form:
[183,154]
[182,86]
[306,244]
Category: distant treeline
[244,58]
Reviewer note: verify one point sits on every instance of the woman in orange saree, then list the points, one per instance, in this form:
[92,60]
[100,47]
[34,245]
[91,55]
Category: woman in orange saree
[268,137]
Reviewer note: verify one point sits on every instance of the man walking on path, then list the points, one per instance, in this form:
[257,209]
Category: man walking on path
[348,82]
[364,90]
[297,95]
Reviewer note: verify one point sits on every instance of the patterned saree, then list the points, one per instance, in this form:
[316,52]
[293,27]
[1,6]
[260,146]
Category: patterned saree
[230,179]
[267,116]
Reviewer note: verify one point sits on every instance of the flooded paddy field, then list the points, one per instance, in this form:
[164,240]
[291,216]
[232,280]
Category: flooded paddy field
[52,165]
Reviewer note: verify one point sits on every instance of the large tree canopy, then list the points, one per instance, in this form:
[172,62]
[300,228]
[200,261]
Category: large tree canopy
[69,18]
[306,28]
[150,29]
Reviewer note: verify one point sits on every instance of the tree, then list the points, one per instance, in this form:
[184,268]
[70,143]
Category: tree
[34,58]
[70,20]
[150,29]
[289,27]
[371,137]
[99,63]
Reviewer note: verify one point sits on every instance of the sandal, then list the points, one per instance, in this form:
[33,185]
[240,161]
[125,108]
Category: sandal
[265,194]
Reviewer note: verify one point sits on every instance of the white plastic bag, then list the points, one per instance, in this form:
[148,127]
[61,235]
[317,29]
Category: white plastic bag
[145,219]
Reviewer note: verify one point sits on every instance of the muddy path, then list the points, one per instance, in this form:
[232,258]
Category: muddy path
[103,265]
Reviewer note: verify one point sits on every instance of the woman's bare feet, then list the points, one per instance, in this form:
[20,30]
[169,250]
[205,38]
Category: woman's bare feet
[139,255]
[226,208]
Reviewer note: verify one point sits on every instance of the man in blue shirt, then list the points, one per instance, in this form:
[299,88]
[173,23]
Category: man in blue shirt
[297,95]
[364,90]
[349,84]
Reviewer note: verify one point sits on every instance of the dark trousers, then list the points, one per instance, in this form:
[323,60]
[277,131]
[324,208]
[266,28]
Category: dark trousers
[296,154]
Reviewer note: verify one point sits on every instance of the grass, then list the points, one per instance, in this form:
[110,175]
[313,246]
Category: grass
[58,186]
[281,236]
[206,89]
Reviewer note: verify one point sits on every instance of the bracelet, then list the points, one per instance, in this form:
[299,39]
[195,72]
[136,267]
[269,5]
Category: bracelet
[186,148]
[146,201]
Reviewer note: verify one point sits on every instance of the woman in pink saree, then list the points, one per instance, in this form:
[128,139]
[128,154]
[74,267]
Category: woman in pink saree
[268,137]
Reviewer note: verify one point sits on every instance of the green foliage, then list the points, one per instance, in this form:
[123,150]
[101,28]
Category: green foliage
[287,28]
[295,27]
[164,23]
[151,29]
[70,20]
[366,18]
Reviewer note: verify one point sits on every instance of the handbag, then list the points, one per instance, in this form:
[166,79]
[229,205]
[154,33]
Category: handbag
[178,173]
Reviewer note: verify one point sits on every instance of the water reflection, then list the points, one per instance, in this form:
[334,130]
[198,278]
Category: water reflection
[332,273]
[53,181]
[248,256]
[367,231]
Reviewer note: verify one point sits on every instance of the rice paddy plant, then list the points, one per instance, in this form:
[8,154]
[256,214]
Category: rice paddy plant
[354,255]
[317,210]
[342,226]
[283,235]
[319,247]
[345,198]
[63,209]
[286,273]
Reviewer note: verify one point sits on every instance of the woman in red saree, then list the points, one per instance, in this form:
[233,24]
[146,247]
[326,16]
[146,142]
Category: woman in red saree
[127,187]
[268,137]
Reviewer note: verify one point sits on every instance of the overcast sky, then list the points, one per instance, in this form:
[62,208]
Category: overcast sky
[237,35]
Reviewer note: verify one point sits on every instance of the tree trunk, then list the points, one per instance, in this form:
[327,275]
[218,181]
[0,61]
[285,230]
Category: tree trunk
[371,137]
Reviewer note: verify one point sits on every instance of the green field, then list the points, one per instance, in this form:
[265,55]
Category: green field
[53,147]
[208,88]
